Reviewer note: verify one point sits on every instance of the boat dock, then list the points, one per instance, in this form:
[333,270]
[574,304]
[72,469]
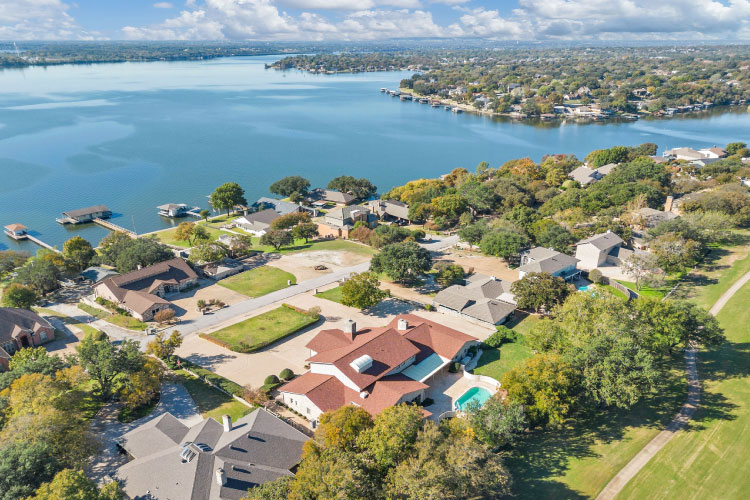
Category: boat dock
[114,227]
[42,244]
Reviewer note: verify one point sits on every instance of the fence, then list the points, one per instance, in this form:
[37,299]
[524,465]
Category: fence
[630,294]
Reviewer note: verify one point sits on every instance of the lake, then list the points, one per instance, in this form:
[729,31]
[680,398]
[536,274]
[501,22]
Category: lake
[136,135]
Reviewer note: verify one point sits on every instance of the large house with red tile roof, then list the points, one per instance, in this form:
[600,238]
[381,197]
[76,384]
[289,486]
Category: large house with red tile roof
[374,368]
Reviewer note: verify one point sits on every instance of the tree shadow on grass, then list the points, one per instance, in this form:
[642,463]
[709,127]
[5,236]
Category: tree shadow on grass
[546,454]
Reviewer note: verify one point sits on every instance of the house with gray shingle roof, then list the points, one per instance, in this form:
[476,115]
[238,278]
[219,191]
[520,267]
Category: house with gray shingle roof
[485,300]
[208,461]
[599,249]
[547,260]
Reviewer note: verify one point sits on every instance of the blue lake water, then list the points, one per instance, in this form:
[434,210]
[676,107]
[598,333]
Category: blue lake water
[137,135]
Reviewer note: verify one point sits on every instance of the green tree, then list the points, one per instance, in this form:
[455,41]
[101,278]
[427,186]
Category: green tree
[448,274]
[279,489]
[277,239]
[207,252]
[20,296]
[240,245]
[10,259]
[668,324]
[392,437]
[78,253]
[403,262]
[449,205]
[537,290]
[205,214]
[227,196]
[200,234]
[640,266]
[70,484]
[163,347]
[142,387]
[546,386]
[126,253]
[733,147]
[40,274]
[359,188]
[105,362]
[503,243]
[479,197]
[473,233]
[290,185]
[498,422]
[23,467]
[362,291]
[341,428]
[305,231]
[30,360]
[290,220]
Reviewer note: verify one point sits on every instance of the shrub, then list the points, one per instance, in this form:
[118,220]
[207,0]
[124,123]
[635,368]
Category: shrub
[164,315]
[429,307]
[428,402]
[286,374]
[257,397]
[595,276]
[454,367]
[501,336]
[271,379]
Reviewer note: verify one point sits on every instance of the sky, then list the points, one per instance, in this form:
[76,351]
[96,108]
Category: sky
[350,20]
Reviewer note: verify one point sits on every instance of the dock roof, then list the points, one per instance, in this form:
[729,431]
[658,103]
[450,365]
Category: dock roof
[86,211]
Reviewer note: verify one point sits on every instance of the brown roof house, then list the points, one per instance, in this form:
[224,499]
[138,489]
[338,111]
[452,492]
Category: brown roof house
[547,260]
[341,220]
[21,328]
[332,196]
[142,292]
[208,461]
[485,300]
[374,368]
[390,208]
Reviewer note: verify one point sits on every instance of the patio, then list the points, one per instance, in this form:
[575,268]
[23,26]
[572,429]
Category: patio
[446,388]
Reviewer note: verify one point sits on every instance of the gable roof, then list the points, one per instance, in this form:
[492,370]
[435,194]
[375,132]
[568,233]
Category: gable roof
[259,448]
[14,321]
[583,175]
[261,219]
[490,311]
[337,196]
[480,299]
[280,206]
[346,212]
[602,241]
[546,260]
[606,169]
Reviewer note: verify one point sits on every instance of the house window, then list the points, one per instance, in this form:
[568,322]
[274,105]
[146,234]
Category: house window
[43,336]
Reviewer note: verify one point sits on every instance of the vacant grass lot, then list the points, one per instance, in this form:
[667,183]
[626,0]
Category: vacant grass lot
[116,319]
[168,236]
[212,402]
[709,460]
[258,281]
[495,362]
[333,294]
[262,330]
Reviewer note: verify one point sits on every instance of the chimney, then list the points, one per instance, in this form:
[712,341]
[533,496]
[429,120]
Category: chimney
[403,325]
[492,278]
[350,329]
[363,394]
[221,477]
[227,422]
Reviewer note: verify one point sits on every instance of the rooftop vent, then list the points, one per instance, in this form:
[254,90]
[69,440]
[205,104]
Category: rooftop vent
[363,394]
[361,364]
[403,325]
[221,477]
[350,329]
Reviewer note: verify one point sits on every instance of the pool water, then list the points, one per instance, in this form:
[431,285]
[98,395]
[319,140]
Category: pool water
[478,395]
[583,288]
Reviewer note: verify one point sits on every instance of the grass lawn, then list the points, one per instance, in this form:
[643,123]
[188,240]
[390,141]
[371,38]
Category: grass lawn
[577,460]
[322,245]
[614,291]
[262,330]
[258,281]
[168,236]
[127,414]
[522,322]
[647,291]
[495,362]
[333,294]
[212,402]
[709,460]
[116,319]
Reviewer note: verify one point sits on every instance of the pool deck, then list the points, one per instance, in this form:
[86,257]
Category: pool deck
[447,389]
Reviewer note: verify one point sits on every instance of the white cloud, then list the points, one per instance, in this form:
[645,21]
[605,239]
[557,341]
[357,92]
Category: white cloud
[163,5]
[39,20]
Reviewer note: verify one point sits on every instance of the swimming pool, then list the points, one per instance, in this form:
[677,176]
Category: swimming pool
[584,288]
[477,395]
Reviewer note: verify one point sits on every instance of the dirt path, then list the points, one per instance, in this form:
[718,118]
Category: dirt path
[627,473]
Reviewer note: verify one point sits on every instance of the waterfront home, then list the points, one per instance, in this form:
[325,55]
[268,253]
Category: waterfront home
[547,260]
[87,214]
[584,175]
[484,300]
[173,210]
[375,368]
[257,223]
[714,152]
[222,269]
[142,292]
[16,231]
[393,209]
[209,460]
[95,274]
[601,249]
[340,221]
[331,196]
[20,328]
[686,154]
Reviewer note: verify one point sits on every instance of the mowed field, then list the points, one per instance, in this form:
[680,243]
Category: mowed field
[710,459]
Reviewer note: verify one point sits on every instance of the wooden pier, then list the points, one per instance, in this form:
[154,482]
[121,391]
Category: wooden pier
[114,227]
[42,244]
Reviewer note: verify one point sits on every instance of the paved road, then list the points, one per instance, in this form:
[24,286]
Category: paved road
[615,486]
[440,243]
[245,307]
[114,332]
